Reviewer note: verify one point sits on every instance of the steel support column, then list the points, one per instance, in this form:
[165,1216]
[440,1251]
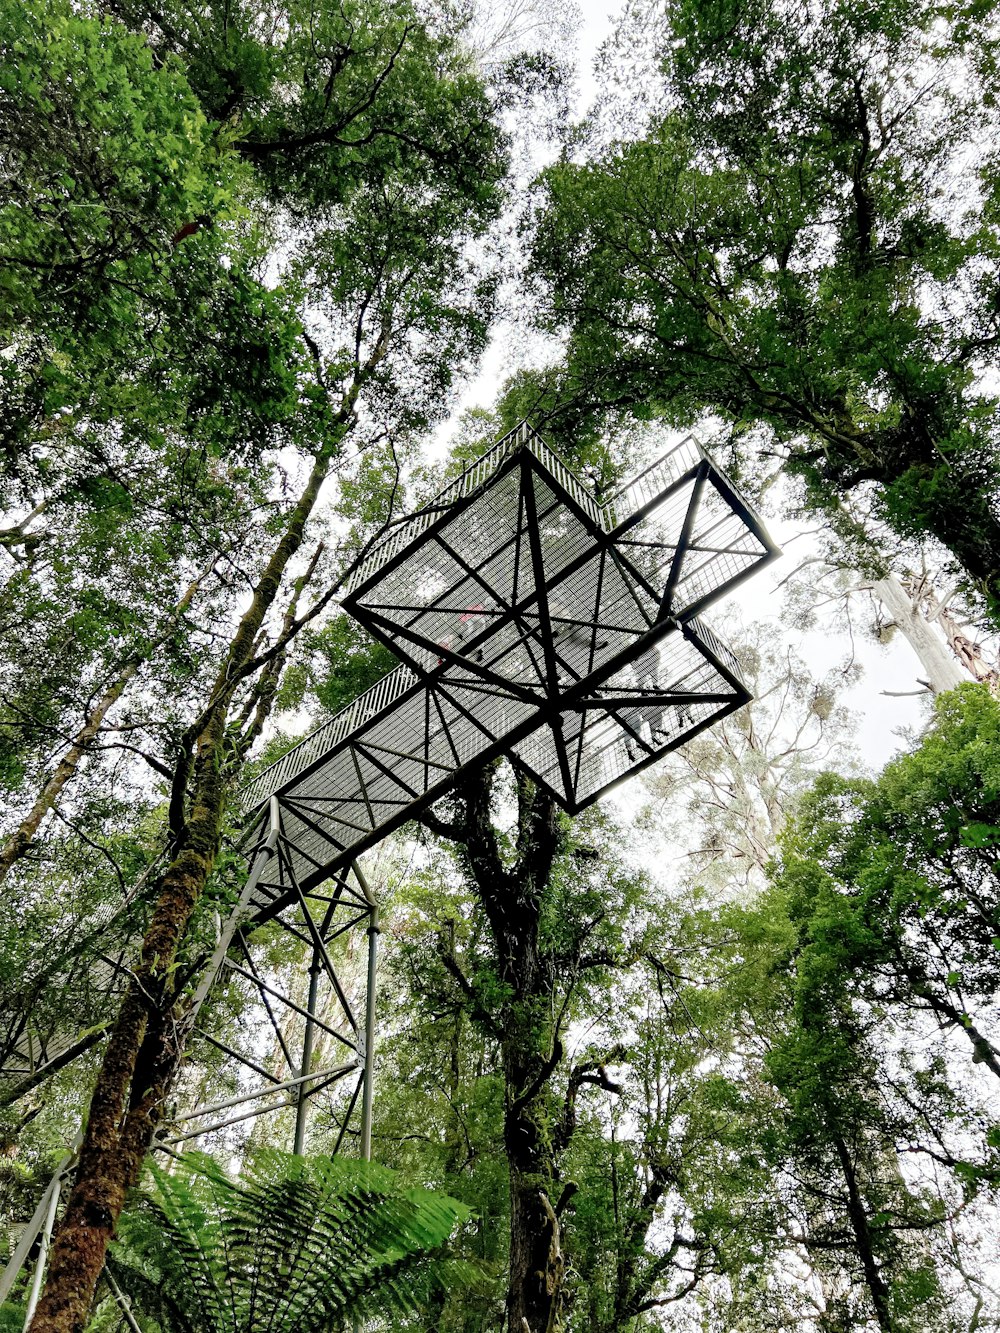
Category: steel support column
[239,912]
[43,1253]
[369,1066]
[301,1107]
[46,1208]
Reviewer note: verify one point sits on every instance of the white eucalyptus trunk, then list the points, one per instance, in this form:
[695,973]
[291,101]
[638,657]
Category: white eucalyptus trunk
[941,671]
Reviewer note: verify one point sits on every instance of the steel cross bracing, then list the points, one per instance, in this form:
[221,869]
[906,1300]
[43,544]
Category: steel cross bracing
[294,1041]
[533,622]
[299,1037]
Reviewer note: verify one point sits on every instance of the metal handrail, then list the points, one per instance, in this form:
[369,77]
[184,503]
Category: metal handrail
[721,651]
[326,736]
[653,480]
[474,476]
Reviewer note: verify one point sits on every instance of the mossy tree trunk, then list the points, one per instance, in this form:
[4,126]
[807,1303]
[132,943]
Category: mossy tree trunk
[512,891]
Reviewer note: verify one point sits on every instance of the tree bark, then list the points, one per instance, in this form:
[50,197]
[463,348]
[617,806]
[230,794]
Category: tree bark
[512,898]
[969,652]
[941,672]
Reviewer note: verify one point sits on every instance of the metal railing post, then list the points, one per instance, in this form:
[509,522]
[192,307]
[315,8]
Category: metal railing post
[369,1066]
[43,1252]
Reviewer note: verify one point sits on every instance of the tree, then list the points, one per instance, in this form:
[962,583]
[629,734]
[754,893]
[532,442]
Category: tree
[295,1243]
[899,874]
[722,800]
[865,976]
[556,924]
[786,248]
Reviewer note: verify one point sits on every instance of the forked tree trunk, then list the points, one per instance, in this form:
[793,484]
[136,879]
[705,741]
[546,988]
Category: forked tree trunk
[941,671]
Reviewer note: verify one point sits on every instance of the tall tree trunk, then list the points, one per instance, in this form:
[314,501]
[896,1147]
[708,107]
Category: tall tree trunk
[536,1263]
[512,899]
[534,1291]
[941,671]
[858,1215]
[144,1051]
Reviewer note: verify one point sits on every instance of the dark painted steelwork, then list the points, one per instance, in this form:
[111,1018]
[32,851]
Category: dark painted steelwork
[532,622]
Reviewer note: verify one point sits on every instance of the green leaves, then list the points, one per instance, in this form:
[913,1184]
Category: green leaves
[785,250]
[107,155]
[295,1244]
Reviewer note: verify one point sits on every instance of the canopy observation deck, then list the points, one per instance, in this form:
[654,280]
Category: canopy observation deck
[531,621]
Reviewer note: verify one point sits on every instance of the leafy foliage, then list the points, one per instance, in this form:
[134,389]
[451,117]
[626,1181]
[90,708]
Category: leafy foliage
[896,881]
[793,244]
[294,1244]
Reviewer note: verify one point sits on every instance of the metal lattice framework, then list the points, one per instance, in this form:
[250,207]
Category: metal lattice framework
[315,1039]
[532,622]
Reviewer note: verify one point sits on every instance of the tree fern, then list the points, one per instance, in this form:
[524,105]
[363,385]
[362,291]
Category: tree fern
[294,1244]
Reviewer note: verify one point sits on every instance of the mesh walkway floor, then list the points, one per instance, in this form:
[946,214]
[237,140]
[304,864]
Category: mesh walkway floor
[531,621]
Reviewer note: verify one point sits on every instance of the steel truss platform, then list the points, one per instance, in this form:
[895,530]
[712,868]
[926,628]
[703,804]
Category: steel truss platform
[532,622]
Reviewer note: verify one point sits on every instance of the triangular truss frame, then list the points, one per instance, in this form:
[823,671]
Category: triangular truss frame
[533,622]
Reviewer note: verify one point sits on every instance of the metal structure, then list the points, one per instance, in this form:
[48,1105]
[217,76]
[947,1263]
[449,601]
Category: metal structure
[531,621]
[318,1039]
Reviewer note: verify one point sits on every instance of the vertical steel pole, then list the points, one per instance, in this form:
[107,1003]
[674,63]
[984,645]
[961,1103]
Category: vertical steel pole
[122,1302]
[369,1069]
[264,854]
[29,1233]
[369,1072]
[301,1105]
[43,1254]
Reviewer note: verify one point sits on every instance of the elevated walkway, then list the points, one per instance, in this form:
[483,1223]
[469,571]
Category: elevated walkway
[532,621]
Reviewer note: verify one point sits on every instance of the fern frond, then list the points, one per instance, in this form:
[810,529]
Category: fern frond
[295,1244]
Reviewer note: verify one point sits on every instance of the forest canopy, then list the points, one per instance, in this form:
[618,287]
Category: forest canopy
[719,1053]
